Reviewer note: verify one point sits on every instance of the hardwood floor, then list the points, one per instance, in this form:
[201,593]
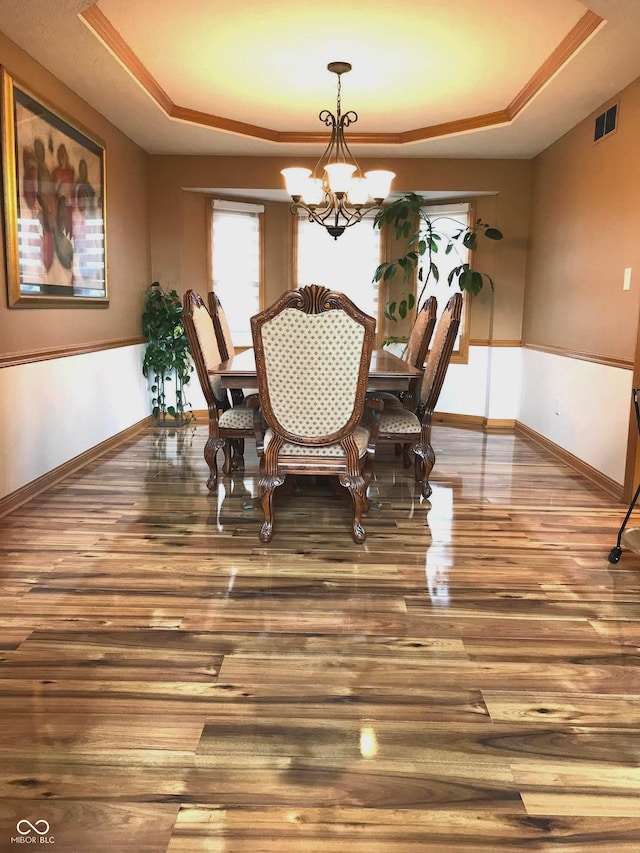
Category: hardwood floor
[466,680]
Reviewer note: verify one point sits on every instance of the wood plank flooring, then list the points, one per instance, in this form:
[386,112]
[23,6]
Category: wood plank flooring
[467,680]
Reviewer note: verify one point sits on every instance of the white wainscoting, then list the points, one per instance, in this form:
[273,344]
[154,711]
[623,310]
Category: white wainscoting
[54,410]
[512,383]
[489,386]
[193,394]
[593,403]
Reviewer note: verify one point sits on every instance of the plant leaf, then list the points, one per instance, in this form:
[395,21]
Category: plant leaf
[389,272]
[493,234]
[379,271]
[470,240]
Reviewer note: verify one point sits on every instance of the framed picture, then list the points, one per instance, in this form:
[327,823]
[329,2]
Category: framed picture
[54,205]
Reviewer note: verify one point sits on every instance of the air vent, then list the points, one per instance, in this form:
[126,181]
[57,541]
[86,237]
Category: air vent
[606,123]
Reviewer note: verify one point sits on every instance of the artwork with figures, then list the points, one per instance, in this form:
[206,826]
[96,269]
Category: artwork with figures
[54,205]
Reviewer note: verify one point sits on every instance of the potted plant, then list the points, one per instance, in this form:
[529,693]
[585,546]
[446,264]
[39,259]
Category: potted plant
[424,237]
[167,356]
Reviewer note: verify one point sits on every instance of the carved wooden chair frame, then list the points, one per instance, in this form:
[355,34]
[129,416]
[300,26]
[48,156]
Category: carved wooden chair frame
[353,470]
[435,371]
[220,436]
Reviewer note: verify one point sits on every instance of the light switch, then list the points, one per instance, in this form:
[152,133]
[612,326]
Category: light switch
[626,281]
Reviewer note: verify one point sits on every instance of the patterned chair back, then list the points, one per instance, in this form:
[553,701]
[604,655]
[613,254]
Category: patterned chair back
[420,337]
[203,342]
[313,350]
[440,354]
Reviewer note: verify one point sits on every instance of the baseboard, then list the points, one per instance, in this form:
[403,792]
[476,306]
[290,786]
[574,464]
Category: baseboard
[592,474]
[462,421]
[474,422]
[51,478]
[499,425]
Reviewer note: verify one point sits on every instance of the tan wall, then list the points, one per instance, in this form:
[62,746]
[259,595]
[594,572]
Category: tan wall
[192,250]
[179,233]
[23,330]
[584,232]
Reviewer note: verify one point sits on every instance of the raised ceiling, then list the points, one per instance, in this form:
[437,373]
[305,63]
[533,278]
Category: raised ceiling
[502,78]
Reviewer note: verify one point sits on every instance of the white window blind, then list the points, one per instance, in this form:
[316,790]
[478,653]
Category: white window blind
[346,264]
[236,264]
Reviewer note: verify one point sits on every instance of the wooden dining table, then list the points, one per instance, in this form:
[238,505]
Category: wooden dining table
[387,371]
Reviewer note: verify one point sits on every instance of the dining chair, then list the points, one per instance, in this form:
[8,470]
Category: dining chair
[313,350]
[412,429]
[414,354]
[421,334]
[227,423]
[221,326]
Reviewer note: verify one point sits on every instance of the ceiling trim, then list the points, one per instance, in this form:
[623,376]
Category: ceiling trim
[574,41]
[577,37]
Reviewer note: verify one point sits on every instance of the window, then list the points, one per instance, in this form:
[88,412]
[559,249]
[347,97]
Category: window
[346,264]
[448,220]
[236,263]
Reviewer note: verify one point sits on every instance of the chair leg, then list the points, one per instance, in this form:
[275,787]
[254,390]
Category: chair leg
[237,446]
[424,461]
[367,475]
[210,452]
[267,487]
[424,450]
[359,504]
[228,461]
[234,455]
[406,455]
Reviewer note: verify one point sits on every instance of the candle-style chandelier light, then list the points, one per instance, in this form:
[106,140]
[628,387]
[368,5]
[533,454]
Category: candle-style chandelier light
[336,193]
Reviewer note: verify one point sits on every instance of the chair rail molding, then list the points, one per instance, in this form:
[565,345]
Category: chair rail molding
[28,357]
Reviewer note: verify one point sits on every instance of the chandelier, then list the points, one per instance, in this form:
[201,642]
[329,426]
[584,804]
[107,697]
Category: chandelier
[336,193]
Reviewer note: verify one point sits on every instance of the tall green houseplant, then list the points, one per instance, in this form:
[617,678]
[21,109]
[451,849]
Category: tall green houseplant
[167,358]
[423,238]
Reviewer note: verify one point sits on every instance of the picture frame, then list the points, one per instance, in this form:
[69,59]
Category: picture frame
[54,205]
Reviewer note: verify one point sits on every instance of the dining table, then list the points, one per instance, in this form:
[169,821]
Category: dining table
[387,372]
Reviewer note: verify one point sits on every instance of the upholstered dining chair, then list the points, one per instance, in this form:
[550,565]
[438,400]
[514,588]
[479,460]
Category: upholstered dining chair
[225,342]
[413,429]
[415,354]
[421,333]
[313,351]
[221,326]
[226,423]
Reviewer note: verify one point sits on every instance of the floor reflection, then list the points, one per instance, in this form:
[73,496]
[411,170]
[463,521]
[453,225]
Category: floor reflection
[437,557]
[171,454]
